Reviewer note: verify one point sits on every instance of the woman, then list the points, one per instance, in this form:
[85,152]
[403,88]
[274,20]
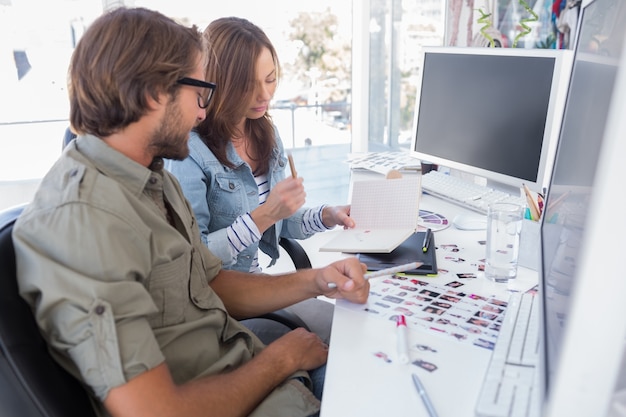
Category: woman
[234,176]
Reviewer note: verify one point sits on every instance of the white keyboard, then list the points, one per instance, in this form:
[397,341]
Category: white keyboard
[511,387]
[465,193]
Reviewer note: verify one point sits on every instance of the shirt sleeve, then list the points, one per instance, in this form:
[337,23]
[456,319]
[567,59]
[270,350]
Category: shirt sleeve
[87,294]
[312,221]
[242,233]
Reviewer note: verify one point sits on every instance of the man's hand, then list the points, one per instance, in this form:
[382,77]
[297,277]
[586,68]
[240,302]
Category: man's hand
[347,277]
[302,349]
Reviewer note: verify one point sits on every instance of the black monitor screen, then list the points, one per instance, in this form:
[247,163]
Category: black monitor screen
[490,111]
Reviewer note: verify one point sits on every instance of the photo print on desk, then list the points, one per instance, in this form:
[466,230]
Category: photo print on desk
[444,310]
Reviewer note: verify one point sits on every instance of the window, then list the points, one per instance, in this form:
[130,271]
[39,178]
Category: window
[346,85]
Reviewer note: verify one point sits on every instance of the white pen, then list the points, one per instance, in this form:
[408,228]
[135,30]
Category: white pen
[388,271]
[402,339]
[425,399]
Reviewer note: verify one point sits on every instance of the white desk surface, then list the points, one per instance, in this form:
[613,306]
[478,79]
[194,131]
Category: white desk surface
[360,384]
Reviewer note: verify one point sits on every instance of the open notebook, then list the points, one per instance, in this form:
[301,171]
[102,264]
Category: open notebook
[386,213]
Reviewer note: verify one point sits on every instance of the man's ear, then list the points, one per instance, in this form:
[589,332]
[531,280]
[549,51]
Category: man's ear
[156,101]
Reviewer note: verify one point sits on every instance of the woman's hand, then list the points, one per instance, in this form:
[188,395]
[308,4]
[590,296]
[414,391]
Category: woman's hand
[337,215]
[283,201]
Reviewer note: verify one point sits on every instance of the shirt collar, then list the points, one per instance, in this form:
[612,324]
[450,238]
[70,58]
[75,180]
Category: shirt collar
[114,164]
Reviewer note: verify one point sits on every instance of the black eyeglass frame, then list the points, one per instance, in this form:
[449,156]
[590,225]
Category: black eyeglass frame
[202,103]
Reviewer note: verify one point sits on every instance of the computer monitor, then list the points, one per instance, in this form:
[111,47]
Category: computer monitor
[582,284]
[491,112]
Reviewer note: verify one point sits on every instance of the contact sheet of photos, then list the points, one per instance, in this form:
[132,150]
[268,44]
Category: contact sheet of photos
[446,310]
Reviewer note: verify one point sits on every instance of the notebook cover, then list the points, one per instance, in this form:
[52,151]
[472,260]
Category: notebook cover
[409,251]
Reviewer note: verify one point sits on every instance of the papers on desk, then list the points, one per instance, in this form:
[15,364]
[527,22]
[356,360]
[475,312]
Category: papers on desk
[386,213]
[445,310]
[383,162]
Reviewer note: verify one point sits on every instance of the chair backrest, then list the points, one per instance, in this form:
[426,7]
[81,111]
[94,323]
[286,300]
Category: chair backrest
[31,382]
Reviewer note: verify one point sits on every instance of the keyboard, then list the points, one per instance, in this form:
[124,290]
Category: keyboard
[511,385]
[465,193]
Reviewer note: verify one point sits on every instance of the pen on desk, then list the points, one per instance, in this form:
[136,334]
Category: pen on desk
[292,166]
[426,243]
[424,396]
[388,271]
[402,339]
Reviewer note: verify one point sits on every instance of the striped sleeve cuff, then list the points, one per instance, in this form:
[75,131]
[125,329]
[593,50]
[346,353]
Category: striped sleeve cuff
[312,221]
[242,233]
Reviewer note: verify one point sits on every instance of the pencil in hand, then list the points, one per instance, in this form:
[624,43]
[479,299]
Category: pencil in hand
[292,166]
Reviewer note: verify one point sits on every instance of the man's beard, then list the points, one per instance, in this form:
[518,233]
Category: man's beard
[170,139]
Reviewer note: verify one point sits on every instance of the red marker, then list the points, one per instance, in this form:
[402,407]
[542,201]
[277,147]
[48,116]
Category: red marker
[402,339]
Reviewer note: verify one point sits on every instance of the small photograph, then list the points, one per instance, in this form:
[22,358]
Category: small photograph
[430,367]
[422,298]
[418,282]
[450,248]
[453,259]
[472,329]
[479,322]
[430,293]
[477,297]
[449,298]
[407,288]
[378,303]
[434,310]
[383,356]
[466,275]
[441,305]
[497,302]
[484,343]
[404,311]
[425,348]
[454,284]
[486,315]
[445,321]
[492,308]
[392,299]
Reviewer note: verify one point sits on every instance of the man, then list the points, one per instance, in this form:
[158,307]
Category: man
[109,255]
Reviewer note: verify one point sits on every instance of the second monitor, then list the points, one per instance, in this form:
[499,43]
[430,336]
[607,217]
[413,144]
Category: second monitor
[492,112]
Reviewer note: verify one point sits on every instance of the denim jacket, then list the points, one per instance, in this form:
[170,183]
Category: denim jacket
[219,194]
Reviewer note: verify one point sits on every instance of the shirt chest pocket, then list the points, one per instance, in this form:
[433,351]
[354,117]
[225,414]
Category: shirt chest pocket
[227,196]
[168,287]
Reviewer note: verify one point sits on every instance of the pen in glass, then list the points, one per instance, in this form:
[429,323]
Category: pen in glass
[426,243]
[402,339]
[424,396]
[388,271]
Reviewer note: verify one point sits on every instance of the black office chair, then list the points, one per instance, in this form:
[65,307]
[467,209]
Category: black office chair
[31,383]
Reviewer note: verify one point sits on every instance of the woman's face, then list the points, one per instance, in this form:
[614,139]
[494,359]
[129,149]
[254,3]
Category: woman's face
[265,85]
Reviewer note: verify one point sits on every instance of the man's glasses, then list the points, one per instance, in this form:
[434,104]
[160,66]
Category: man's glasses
[203,101]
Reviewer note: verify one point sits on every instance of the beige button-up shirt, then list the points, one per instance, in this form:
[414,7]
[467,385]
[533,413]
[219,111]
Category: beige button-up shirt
[117,290]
